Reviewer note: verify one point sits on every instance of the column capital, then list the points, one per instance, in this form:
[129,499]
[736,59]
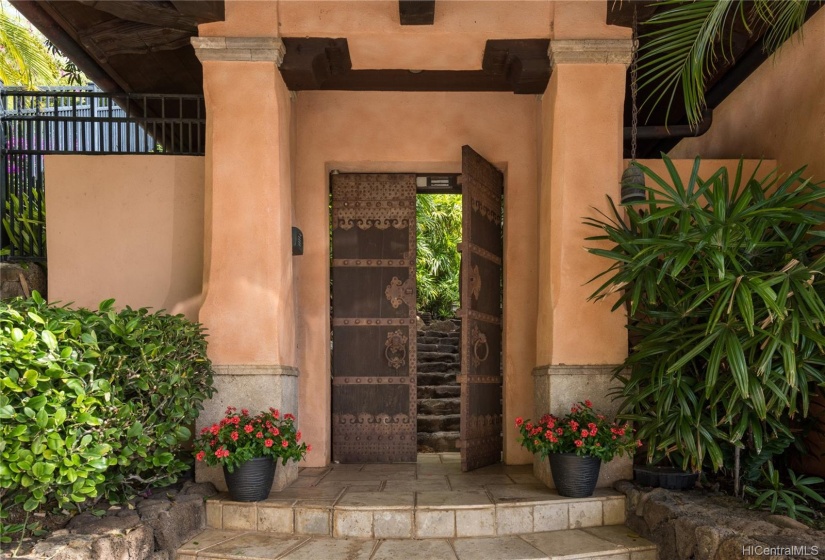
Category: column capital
[590,51]
[249,49]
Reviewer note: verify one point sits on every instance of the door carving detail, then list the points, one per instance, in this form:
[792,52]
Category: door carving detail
[395,349]
[399,292]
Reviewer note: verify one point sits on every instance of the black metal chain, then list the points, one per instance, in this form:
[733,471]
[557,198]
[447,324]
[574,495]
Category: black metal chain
[634,69]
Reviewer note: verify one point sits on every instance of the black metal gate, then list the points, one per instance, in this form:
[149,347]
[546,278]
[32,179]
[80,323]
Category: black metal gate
[79,121]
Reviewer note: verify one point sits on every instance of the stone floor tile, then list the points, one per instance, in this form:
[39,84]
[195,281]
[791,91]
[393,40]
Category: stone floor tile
[389,469]
[524,478]
[466,480]
[618,556]
[442,469]
[305,482]
[428,458]
[312,521]
[376,500]
[275,519]
[355,524]
[550,517]
[607,493]
[613,512]
[572,544]
[497,548]
[450,457]
[431,476]
[475,522]
[306,494]
[393,524]
[320,548]
[514,520]
[433,524]
[315,503]
[644,555]
[417,485]
[239,516]
[585,514]
[313,471]
[363,485]
[275,500]
[253,546]
[347,466]
[433,549]
[620,535]
[358,476]
[504,493]
[209,537]
[453,500]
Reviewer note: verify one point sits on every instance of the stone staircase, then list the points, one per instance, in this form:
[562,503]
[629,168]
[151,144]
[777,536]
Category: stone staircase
[439,394]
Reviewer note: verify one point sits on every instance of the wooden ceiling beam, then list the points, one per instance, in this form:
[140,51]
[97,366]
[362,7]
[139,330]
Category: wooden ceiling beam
[202,11]
[416,12]
[147,13]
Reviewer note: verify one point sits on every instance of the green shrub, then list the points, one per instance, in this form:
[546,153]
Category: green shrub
[95,403]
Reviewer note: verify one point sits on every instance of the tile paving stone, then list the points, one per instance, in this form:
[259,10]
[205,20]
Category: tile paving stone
[474,481]
[207,538]
[644,555]
[442,469]
[585,514]
[428,458]
[524,478]
[186,556]
[613,512]
[307,493]
[312,521]
[497,548]
[514,520]
[313,471]
[550,517]
[275,519]
[356,524]
[479,522]
[503,493]
[570,544]
[392,524]
[305,482]
[253,546]
[395,468]
[333,549]
[434,524]
[434,549]
[371,485]
[431,476]
[452,500]
[360,476]
[620,535]
[417,486]
[451,457]
[239,517]
[376,500]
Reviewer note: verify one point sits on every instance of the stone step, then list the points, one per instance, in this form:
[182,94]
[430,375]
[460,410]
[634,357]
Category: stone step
[442,347]
[455,335]
[439,423]
[436,357]
[439,391]
[614,542]
[437,442]
[349,504]
[437,377]
[435,407]
[438,367]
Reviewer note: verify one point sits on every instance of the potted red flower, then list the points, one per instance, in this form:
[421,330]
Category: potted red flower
[248,447]
[576,445]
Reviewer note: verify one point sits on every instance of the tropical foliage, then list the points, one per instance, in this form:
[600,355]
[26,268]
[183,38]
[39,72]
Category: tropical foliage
[684,44]
[438,262]
[724,282]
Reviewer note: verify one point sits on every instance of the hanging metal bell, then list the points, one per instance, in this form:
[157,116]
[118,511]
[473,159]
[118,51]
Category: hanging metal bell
[633,181]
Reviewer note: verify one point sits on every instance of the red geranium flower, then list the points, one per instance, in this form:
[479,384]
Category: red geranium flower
[200,455]
[284,443]
[248,428]
[578,443]
[519,421]
[268,442]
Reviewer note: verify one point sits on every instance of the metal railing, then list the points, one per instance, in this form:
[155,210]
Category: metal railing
[79,121]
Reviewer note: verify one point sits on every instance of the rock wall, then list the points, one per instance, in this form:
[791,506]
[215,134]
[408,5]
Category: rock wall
[695,525]
[20,280]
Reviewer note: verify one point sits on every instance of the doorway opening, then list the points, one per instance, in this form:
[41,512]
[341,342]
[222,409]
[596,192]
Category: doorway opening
[376,360]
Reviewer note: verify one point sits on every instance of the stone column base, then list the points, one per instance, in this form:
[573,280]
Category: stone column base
[556,388]
[257,388]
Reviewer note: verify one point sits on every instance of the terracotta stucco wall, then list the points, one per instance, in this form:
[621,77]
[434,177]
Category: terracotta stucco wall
[413,132]
[777,113]
[126,227]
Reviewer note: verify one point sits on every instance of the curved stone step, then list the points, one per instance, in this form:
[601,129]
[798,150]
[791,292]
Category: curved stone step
[438,407]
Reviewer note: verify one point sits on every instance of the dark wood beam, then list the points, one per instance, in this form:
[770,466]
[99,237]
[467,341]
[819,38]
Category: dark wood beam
[202,11]
[116,36]
[416,12]
[522,62]
[309,61]
[149,13]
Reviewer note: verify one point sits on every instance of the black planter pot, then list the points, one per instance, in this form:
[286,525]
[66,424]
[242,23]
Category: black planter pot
[670,478]
[251,481]
[574,476]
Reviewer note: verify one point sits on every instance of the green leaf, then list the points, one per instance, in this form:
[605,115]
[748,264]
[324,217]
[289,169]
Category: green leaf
[49,338]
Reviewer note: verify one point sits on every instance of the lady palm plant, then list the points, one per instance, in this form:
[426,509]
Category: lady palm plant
[723,279]
[438,263]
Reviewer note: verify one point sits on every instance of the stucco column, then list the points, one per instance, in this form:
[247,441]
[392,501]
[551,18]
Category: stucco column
[248,305]
[578,342]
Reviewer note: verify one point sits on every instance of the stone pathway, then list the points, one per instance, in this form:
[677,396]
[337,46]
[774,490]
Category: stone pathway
[605,543]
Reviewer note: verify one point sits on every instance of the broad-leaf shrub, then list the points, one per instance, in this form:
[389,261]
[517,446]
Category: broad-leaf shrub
[95,403]
[724,281]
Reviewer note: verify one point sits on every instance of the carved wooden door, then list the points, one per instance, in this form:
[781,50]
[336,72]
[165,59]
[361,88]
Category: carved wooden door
[373,318]
[482,188]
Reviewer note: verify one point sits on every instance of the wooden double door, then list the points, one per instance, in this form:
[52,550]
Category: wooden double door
[374,316]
